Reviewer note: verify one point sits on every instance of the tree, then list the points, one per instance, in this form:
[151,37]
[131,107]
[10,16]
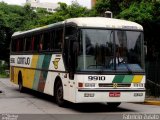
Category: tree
[118,6]
[4,39]
[65,11]
[108,5]
[16,18]
[9,22]
[139,12]
[73,10]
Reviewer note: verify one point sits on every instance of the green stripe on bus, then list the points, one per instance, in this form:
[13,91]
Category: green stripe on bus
[38,73]
[128,79]
[36,79]
[43,77]
[40,61]
[45,65]
[46,62]
[118,78]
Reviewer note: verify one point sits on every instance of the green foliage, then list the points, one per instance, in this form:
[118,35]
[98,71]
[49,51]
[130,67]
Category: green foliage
[4,70]
[139,12]
[107,5]
[17,18]
[135,10]
[72,11]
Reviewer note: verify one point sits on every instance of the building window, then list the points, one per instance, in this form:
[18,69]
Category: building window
[49,9]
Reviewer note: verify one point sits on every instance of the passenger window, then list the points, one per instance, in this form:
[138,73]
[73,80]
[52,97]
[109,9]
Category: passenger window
[28,44]
[58,39]
[52,41]
[17,45]
[70,30]
[41,42]
[36,42]
[46,41]
[32,44]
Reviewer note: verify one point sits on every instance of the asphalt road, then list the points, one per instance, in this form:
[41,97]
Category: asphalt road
[34,105]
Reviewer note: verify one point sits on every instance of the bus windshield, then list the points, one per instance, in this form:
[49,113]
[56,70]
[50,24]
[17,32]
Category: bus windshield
[110,50]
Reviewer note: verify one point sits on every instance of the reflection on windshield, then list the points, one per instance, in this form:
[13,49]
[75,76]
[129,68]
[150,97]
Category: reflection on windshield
[109,50]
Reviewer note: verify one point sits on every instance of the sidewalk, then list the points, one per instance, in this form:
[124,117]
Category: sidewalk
[152,101]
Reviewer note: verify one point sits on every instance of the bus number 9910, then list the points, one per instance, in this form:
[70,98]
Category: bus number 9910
[95,78]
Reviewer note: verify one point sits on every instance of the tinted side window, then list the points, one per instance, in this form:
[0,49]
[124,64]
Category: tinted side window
[36,42]
[28,44]
[40,45]
[46,41]
[70,30]
[58,39]
[21,42]
[17,45]
[13,46]
[52,39]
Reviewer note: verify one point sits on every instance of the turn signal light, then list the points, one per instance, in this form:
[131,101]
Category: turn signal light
[80,84]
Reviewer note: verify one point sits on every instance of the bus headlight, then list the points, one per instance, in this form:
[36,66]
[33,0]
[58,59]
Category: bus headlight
[138,85]
[89,85]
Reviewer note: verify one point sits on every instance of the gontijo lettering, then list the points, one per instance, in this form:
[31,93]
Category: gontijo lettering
[23,60]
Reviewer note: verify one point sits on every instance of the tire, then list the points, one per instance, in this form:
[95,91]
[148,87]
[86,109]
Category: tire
[113,105]
[20,83]
[59,94]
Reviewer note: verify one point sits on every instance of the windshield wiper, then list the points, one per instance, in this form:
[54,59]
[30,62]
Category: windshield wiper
[129,69]
[127,66]
[123,61]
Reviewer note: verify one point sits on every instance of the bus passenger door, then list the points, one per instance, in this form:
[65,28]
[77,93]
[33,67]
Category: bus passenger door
[70,51]
[72,65]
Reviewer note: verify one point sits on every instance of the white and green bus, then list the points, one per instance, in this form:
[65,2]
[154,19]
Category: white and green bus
[82,60]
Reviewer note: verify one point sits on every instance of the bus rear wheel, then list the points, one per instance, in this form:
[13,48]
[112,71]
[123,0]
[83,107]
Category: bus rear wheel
[59,94]
[20,83]
[113,105]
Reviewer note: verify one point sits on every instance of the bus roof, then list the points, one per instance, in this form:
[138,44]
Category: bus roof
[92,22]
[103,22]
[37,29]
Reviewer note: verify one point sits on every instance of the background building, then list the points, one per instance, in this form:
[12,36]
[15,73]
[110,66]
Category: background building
[50,7]
[93,2]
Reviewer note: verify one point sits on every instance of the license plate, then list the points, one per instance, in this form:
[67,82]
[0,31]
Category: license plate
[114,94]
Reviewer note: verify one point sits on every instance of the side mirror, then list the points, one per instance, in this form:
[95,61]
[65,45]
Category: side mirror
[145,49]
[67,38]
[71,69]
[71,75]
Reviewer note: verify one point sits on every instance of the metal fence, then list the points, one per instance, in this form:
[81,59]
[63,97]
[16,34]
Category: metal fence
[153,78]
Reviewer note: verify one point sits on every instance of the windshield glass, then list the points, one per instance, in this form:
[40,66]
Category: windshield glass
[108,50]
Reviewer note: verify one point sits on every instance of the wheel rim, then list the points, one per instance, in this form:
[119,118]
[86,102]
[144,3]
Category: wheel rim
[60,94]
[20,86]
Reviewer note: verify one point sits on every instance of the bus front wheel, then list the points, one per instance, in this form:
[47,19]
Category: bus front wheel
[59,94]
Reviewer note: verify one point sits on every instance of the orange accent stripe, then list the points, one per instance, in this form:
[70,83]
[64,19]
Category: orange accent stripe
[137,78]
[34,61]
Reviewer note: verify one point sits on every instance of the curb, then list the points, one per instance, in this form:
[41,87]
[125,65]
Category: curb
[152,102]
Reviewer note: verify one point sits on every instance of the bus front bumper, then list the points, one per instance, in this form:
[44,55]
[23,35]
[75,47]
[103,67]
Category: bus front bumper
[92,96]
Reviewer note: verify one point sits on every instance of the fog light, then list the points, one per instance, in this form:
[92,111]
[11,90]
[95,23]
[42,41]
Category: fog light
[138,85]
[138,94]
[89,85]
[88,94]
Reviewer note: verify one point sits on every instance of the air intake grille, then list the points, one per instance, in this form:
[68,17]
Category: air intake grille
[114,85]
